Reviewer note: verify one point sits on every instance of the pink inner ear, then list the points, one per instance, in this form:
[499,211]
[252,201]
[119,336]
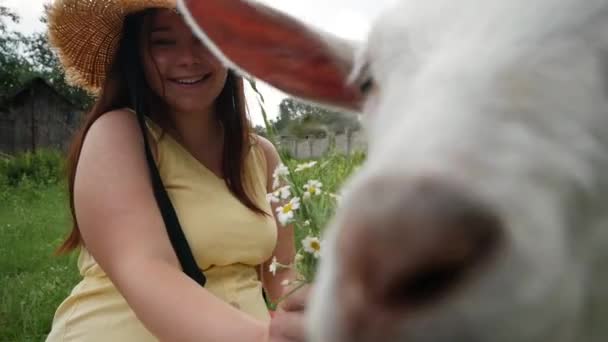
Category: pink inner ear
[276,49]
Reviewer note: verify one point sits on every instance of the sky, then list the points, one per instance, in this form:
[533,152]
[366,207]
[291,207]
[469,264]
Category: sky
[346,18]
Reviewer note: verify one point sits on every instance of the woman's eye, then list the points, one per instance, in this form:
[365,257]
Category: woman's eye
[163,42]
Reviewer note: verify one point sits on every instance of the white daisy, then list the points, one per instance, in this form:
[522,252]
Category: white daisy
[312,245]
[272,198]
[274,265]
[338,198]
[284,192]
[286,212]
[279,194]
[280,171]
[312,188]
[304,166]
[299,257]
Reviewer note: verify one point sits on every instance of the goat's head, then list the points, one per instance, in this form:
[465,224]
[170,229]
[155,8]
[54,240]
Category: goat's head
[476,216]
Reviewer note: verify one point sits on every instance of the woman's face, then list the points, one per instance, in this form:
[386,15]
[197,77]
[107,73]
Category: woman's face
[177,66]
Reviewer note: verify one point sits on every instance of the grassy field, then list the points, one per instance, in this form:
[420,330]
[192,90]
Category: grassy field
[34,218]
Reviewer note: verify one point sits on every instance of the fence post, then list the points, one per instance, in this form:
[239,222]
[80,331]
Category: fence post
[309,146]
[331,142]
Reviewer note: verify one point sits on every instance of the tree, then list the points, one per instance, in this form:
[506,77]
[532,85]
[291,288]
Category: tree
[47,65]
[260,130]
[14,69]
[25,57]
[302,119]
[288,112]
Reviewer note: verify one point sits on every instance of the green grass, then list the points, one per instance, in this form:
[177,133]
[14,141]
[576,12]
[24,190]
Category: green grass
[33,221]
[332,171]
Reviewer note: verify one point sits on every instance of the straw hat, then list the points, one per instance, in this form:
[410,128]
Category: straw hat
[85,35]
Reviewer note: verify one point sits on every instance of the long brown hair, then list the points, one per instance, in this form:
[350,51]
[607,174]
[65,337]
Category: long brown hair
[125,86]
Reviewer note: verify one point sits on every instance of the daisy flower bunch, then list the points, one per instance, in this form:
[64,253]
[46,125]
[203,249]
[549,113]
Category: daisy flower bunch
[302,199]
[305,195]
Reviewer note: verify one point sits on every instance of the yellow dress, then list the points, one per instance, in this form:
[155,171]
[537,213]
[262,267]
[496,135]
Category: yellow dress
[227,239]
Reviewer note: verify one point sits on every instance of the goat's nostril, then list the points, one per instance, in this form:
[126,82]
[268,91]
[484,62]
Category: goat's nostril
[415,290]
[472,238]
[427,283]
[421,250]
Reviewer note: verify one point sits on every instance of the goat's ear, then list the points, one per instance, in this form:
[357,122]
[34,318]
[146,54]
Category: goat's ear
[262,42]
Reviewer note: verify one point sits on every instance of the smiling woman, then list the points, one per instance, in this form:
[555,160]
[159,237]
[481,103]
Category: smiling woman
[170,45]
[153,76]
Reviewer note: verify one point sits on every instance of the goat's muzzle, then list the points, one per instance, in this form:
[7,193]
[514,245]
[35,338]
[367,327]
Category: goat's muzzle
[406,246]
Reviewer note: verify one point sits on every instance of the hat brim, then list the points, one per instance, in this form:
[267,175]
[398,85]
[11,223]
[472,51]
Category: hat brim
[85,35]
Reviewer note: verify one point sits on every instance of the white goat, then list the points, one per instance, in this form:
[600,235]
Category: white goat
[482,210]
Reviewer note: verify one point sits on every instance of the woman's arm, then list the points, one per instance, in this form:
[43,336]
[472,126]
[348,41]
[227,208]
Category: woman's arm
[285,249]
[123,229]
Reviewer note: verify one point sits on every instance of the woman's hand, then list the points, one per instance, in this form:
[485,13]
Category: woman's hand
[288,324]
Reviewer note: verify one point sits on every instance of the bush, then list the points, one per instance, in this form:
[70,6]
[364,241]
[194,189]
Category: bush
[4,188]
[43,167]
[3,176]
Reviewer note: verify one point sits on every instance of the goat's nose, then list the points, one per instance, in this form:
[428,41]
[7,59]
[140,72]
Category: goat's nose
[402,248]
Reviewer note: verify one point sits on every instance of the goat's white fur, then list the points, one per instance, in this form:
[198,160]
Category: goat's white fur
[510,99]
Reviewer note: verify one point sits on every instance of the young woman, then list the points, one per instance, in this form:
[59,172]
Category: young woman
[142,59]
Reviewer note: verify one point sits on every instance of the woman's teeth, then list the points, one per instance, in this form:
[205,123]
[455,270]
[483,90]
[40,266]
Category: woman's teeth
[189,81]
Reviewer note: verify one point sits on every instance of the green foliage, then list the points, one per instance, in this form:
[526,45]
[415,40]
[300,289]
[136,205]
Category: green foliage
[7,14]
[309,191]
[332,170]
[43,167]
[268,130]
[312,210]
[285,153]
[25,57]
[46,64]
[33,222]
[4,186]
[261,131]
[14,69]
[301,119]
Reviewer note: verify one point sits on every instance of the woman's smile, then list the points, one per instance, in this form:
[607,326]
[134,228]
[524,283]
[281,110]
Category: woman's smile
[191,81]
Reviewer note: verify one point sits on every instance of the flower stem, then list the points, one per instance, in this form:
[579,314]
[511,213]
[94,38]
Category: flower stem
[273,306]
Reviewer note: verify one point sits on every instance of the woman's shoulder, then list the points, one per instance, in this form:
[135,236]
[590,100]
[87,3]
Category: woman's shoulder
[111,133]
[267,148]
[116,128]
[118,122]
[112,145]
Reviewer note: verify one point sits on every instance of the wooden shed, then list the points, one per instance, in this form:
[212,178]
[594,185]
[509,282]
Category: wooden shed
[36,116]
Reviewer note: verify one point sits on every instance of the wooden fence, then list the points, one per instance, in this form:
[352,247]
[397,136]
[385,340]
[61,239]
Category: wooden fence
[311,147]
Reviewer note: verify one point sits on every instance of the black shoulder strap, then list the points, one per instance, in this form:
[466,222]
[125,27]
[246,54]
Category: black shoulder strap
[174,230]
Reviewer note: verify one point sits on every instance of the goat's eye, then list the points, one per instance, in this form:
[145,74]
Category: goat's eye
[367,85]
